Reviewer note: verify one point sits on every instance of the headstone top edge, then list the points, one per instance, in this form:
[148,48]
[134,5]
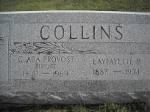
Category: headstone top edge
[74,12]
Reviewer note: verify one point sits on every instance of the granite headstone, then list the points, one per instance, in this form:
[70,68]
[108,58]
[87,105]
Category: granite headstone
[74,57]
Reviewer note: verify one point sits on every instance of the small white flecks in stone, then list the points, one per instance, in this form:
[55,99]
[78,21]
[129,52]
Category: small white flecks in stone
[56,97]
[82,94]
[132,95]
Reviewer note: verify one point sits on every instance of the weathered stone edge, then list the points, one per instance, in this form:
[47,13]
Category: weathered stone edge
[73,98]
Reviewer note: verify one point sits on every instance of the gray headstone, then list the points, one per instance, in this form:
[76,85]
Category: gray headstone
[72,57]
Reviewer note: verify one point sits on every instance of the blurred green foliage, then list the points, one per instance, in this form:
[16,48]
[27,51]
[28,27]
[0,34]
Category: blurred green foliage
[109,107]
[113,5]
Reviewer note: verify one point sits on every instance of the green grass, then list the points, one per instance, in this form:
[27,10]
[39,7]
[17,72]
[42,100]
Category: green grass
[121,5]
[77,108]
[111,107]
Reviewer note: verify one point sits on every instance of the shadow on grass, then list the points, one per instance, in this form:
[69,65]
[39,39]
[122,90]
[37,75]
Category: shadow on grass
[110,107]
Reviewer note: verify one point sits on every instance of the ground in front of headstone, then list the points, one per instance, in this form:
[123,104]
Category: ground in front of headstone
[110,107]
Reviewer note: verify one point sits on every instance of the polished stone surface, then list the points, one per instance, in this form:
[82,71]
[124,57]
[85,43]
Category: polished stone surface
[73,57]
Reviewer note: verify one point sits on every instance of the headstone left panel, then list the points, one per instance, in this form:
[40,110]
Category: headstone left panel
[4,35]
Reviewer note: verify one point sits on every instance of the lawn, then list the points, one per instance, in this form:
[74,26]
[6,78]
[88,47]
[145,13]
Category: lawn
[115,5]
[110,107]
